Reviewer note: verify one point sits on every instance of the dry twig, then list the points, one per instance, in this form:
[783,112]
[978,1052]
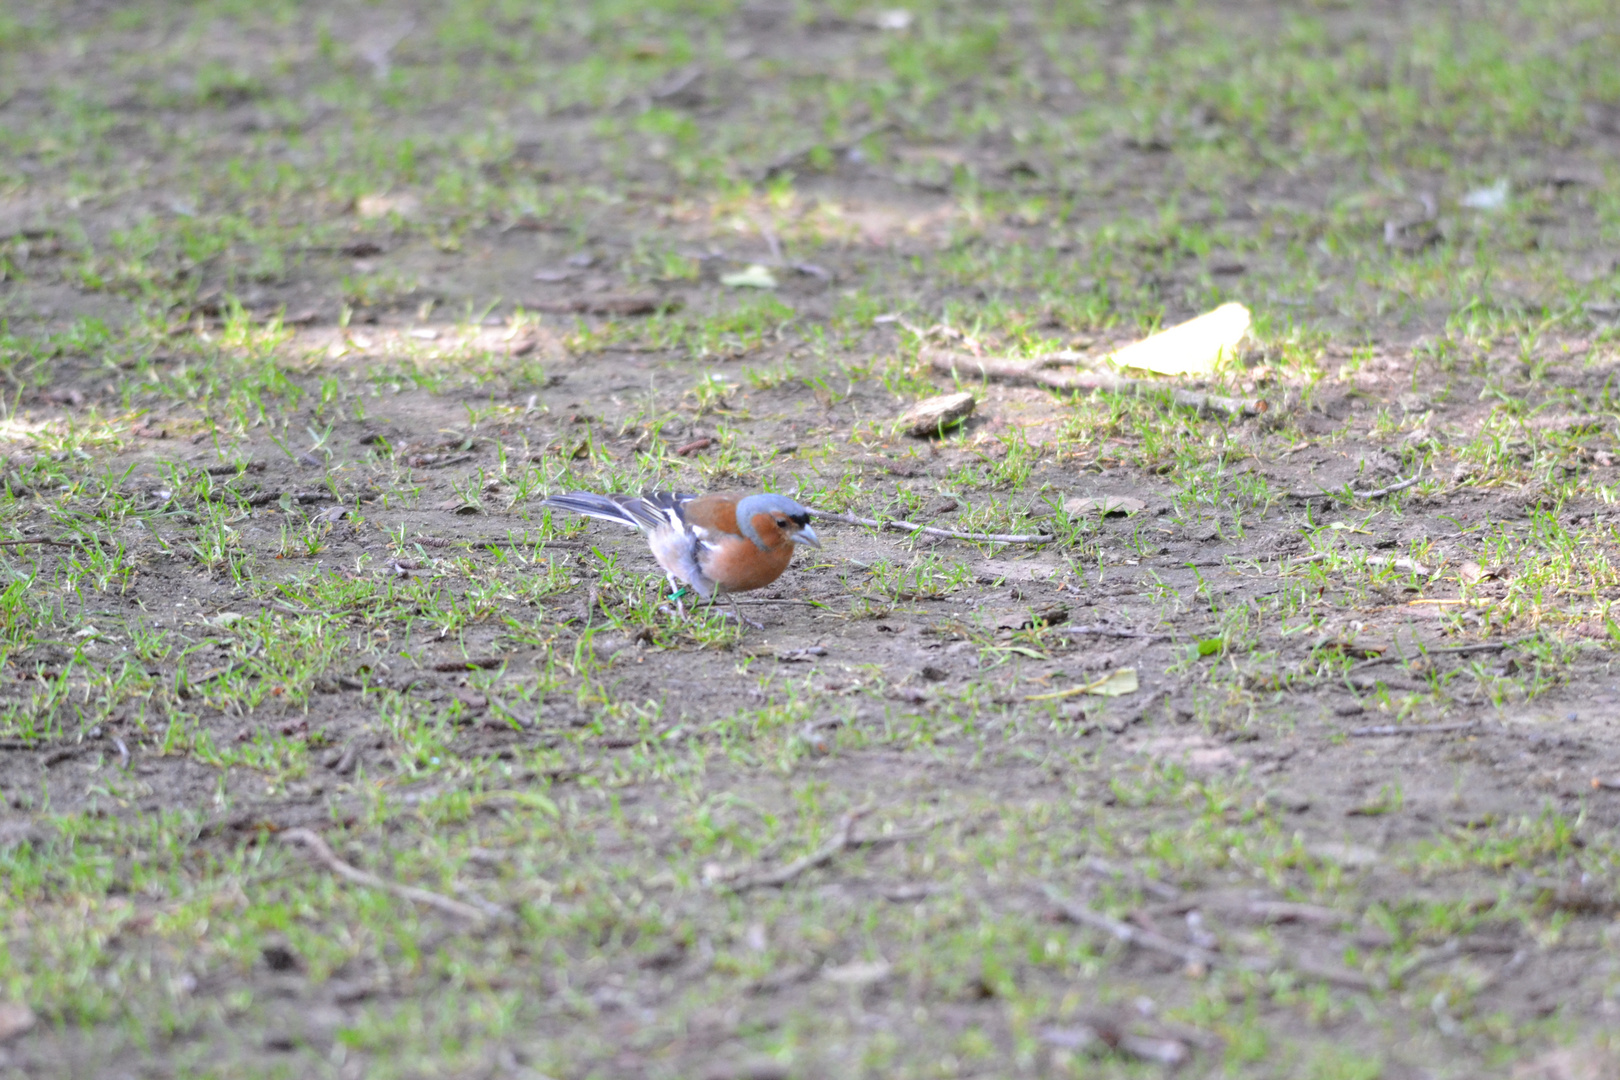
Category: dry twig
[841,841]
[929,530]
[1103,868]
[498,542]
[67,753]
[324,855]
[1410,729]
[1032,373]
[788,159]
[1332,973]
[1376,493]
[1379,493]
[1191,955]
[1398,563]
[46,540]
[1108,631]
[1452,650]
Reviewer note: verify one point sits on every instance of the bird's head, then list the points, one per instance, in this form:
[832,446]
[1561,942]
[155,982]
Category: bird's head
[761,513]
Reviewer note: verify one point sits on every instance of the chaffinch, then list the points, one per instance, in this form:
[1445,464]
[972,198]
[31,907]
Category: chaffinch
[715,543]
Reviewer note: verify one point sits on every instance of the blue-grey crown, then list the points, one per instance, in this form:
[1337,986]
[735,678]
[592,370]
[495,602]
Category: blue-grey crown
[767,504]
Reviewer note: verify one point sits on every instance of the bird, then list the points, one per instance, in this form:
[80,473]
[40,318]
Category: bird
[719,543]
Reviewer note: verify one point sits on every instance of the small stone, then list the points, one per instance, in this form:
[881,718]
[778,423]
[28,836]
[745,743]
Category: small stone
[606,648]
[15,1019]
[1291,801]
[931,415]
[279,956]
[858,973]
[16,831]
[1349,856]
[753,1069]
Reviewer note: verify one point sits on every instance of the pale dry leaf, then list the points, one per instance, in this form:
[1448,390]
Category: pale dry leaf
[755,276]
[1195,347]
[1488,198]
[382,205]
[1116,683]
[1104,504]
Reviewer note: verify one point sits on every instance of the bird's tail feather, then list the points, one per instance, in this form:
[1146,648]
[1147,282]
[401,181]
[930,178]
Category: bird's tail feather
[646,513]
[592,505]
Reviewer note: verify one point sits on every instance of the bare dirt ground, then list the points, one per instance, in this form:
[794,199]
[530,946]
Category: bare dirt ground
[1283,744]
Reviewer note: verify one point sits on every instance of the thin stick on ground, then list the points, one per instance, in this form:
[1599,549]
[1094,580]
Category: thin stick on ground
[842,840]
[1398,563]
[1410,729]
[1031,373]
[854,138]
[1191,955]
[1376,493]
[46,540]
[1073,691]
[1379,493]
[1450,650]
[1076,912]
[497,542]
[1108,631]
[929,530]
[324,855]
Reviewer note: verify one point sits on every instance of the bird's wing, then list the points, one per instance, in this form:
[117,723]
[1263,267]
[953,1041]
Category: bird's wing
[657,509]
[713,515]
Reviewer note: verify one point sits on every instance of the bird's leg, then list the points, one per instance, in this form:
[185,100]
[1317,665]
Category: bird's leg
[741,618]
[676,591]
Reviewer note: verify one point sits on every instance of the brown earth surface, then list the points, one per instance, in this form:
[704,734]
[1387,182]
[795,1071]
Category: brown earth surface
[277,576]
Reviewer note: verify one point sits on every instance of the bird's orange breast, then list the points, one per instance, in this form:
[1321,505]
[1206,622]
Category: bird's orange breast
[737,565]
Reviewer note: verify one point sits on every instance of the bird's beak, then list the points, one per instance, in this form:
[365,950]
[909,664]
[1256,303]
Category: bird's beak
[807,535]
